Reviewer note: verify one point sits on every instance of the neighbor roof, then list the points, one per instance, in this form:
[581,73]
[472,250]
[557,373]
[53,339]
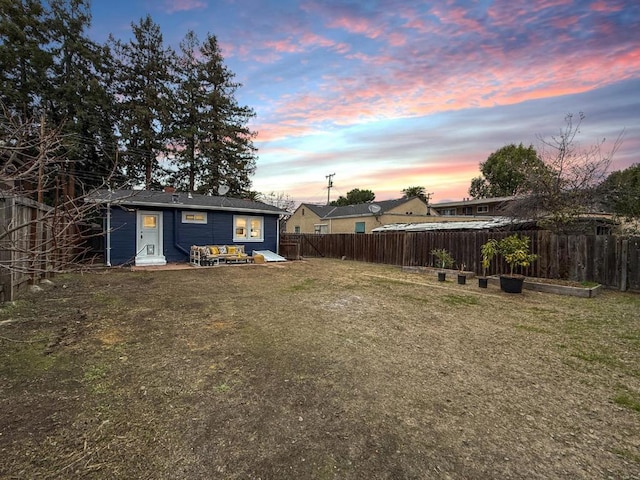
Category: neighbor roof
[489,224]
[472,201]
[150,198]
[358,210]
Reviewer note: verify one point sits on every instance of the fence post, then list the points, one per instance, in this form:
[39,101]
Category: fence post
[624,264]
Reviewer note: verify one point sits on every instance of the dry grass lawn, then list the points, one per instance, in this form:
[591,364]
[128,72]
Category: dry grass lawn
[319,369]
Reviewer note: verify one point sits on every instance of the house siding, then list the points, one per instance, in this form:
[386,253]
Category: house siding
[306,222]
[178,237]
[123,236]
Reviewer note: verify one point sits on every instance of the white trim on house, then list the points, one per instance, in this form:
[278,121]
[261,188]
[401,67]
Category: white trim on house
[149,238]
[245,228]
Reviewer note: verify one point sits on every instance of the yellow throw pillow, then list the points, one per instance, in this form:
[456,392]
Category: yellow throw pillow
[231,250]
[214,250]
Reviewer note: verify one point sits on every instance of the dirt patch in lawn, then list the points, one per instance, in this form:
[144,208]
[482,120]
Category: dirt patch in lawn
[318,369]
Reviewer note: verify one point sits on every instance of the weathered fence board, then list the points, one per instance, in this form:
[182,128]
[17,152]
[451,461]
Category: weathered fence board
[33,242]
[610,260]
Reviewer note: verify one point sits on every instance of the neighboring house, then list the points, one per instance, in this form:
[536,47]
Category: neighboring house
[473,207]
[360,218]
[153,228]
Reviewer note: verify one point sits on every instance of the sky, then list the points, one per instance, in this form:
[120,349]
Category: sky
[392,94]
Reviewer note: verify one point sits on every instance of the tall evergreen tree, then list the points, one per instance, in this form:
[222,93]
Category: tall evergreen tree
[144,89]
[215,145]
[24,58]
[80,101]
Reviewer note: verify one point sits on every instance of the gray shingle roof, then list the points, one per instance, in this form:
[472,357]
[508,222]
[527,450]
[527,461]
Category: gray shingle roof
[150,198]
[358,210]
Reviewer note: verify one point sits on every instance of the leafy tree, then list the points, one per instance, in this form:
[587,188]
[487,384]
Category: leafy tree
[563,187]
[144,67]
[212,143]
[354,197]
[505,171]
[620,192]
[419,192]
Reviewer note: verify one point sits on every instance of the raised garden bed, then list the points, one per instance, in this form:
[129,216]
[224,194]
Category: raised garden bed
[554,286]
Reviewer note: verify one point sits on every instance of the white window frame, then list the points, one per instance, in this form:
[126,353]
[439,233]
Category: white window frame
[319,227]
[247,237]
[449,212]
[187,213]
[482,209]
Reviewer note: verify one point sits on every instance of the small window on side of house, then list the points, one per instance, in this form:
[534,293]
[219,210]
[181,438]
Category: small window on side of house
[482,209]
[194,217]
[360,227]
[296,229]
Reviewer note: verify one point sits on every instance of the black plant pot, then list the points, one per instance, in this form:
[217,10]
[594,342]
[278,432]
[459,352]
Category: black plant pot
[483,282]
[442,276]
[509,284]
[462,279]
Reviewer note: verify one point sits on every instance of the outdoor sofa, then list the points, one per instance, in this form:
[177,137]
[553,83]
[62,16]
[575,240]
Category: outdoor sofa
[208,255]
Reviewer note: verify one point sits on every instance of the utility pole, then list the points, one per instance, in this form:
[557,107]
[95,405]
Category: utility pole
[329,185]
[427,197]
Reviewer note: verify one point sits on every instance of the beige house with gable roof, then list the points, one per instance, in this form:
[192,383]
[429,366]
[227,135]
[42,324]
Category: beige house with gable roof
[360,218]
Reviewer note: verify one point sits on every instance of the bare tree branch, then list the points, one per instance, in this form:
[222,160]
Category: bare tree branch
[562,190]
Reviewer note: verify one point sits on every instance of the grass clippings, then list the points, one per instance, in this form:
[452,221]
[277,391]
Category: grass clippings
[319,369]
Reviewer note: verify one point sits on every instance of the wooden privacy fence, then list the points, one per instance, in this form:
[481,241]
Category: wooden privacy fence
[610,260]
[34,242]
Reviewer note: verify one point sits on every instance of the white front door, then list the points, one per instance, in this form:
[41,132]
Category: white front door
[149,241]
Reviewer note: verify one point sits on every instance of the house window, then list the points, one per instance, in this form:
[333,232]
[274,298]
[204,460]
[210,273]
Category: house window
[321,228]
[450,212]
[603,230]
[248,229]
[483,209]
[360,227]
[296,229]
[149,221]
[303,212]
[194,217]
[467,210]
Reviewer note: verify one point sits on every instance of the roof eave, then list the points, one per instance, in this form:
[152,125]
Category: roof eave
[187,206]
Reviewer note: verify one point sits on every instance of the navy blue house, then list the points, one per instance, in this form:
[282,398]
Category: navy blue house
[145,227]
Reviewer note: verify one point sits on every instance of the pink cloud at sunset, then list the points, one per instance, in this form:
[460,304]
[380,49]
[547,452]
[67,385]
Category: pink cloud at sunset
[392,94]
[173,6]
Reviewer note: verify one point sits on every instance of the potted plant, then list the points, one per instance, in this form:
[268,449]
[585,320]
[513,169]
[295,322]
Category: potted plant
[515,251]
[488,251]
[462,277]
[445,260]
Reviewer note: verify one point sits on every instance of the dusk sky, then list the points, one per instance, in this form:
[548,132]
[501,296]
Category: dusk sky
[398,93]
